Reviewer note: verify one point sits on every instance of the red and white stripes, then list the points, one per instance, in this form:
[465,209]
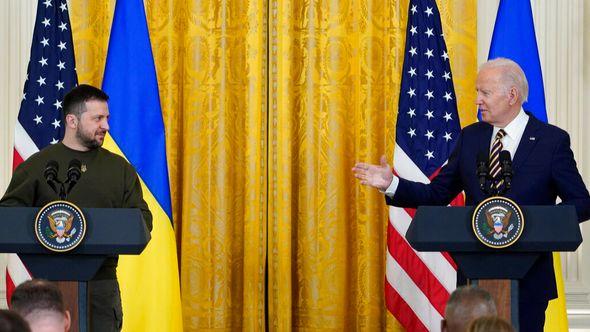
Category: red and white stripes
[16,271]
[417,284]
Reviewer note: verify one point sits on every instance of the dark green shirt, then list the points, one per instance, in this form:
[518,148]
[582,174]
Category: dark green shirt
[107,181]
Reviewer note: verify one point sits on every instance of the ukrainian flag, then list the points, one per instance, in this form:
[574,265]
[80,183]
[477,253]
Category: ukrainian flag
[150,288]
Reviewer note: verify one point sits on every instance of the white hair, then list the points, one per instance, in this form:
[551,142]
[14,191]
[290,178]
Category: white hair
[512,75]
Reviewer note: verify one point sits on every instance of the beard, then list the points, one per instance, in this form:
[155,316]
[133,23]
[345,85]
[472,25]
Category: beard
[89,140]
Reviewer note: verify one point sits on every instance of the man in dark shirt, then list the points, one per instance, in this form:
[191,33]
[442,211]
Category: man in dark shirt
[107,181]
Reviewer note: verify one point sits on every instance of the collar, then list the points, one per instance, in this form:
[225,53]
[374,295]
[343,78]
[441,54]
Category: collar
[516,127]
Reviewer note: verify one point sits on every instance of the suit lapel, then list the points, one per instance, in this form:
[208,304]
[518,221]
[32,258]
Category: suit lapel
[485,139]
[529,138]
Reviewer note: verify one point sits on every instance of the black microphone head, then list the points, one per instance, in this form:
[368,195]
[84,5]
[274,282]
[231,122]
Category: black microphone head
[74,170]
[51,170]
[482,163]
[505,157]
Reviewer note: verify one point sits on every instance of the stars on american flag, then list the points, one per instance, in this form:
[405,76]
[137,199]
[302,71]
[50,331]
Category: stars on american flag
[41,81]
[447,96]
[52,71]
[427,129]
[426,90]
[447,136]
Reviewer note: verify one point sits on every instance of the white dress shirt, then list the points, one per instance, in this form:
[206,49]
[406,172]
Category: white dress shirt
[510,141]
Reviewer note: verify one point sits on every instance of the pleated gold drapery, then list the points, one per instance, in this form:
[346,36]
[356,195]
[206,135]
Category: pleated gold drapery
[267,105]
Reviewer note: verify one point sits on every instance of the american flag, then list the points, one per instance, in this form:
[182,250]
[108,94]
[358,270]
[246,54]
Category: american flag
[51,73]
[417,284]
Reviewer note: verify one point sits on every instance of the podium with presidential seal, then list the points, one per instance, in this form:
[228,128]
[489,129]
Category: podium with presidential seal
[497,240]
[62,242]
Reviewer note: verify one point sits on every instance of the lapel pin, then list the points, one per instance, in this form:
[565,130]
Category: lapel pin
[532,138]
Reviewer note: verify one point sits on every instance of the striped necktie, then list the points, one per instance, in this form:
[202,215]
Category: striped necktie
[495,158]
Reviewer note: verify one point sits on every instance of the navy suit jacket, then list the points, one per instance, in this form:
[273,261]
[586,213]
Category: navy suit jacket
[544,168]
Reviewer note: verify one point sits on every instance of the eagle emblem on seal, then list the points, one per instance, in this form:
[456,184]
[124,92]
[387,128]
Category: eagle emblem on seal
[60,224]
[498,218]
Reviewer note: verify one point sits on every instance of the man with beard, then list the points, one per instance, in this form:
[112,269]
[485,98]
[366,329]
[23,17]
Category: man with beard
[107,181]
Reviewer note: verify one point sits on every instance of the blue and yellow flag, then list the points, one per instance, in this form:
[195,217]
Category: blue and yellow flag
[150,288]
[514,38]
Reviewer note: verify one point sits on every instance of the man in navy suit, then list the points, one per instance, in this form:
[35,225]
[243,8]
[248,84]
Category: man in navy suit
[543,165]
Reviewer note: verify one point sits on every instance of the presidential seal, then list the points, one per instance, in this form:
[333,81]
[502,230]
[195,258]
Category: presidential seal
[60,226]
[497,222]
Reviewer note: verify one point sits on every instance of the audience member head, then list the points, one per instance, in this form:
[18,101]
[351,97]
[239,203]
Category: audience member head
[490,324]
[10,321]
[465,304]
[41,304]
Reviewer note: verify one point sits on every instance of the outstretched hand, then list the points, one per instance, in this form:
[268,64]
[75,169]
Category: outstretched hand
[377,176]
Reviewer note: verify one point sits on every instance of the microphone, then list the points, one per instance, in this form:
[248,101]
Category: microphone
[50,174]
[482,170]
[74,173]
[506,164]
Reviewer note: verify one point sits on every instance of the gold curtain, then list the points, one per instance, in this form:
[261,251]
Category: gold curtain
[267,105]
[334,76]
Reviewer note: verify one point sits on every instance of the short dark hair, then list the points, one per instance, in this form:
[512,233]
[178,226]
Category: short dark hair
[75,100]
[10,321]
[37,294]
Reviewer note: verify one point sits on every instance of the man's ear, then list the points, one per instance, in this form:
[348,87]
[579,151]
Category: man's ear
[68,320]
[71,121]
[513,95]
